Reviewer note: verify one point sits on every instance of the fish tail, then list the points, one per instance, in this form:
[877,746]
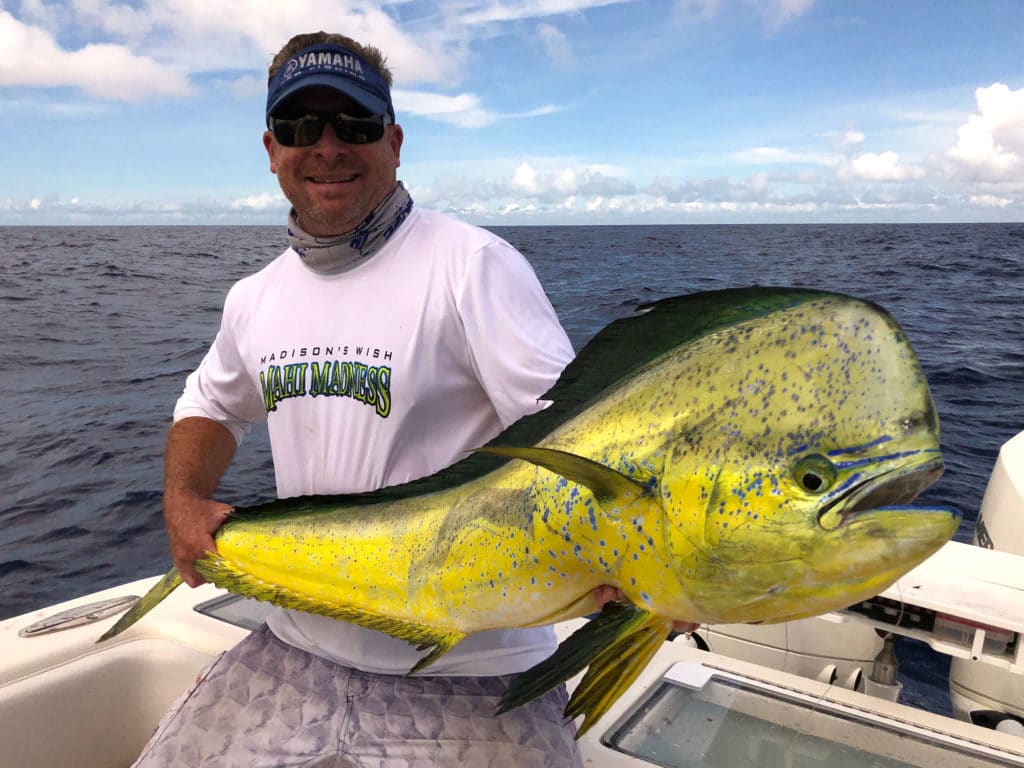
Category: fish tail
[171,581]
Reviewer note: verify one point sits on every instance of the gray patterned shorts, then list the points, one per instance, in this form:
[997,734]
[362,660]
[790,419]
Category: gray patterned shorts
[265,704]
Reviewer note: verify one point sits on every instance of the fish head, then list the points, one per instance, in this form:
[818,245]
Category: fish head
[788,489]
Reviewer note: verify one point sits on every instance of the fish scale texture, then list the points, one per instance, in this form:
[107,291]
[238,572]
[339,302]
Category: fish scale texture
[267,704]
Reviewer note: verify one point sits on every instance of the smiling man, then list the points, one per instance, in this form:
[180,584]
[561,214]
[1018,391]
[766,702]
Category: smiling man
[380,347]
[335,191]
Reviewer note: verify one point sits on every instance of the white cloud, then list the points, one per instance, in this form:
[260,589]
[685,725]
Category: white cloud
[774,13]
[29,56]
[990,145]
[232,34]
[154,47]
[553,184]
[772,155]
[524,180]
[556,44]
[464,110]
[779,12]
[262,202]
[880,166]
[685,11]
[565,181]
[119,20]
[851,139]
[991,201]
[246,86]
[515,10]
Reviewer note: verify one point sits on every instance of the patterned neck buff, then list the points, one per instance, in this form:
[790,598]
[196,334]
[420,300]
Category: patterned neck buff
[337,254]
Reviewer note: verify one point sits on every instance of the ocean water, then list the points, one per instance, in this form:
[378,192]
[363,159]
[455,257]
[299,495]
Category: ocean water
[101,326]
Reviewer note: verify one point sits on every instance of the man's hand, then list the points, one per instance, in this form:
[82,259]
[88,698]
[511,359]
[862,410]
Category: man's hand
[606,593]
[197,454]
[191,523]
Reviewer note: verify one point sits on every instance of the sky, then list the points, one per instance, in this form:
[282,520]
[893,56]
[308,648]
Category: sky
[521,112]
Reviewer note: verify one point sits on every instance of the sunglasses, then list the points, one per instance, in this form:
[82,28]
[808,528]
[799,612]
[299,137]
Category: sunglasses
[306,130]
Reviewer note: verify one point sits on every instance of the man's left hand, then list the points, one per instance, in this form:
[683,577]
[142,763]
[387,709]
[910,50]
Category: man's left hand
[606,593]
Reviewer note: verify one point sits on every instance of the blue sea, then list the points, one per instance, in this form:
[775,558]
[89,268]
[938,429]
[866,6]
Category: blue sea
[101,326]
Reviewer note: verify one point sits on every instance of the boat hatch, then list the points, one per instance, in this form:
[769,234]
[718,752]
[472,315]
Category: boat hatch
[699,717]
[78,616]
[244,612]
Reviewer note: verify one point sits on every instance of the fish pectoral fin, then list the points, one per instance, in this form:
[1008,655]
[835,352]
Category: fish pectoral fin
[604,482]
[615,646]
[226,575]
[616,667]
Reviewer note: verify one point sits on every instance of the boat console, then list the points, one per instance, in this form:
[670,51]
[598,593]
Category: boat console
[964,601]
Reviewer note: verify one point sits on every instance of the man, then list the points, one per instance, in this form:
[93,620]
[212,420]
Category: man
[439,336]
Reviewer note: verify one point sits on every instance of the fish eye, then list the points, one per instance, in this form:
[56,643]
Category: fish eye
[814,473]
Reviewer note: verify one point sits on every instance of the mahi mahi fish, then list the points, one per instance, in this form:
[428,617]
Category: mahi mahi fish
[746,455]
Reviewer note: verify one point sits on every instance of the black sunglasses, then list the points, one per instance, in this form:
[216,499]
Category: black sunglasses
[306,130]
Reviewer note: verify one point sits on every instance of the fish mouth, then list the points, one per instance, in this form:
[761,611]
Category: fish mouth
[895,488]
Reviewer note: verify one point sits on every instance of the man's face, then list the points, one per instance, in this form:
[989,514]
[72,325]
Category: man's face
[333,185]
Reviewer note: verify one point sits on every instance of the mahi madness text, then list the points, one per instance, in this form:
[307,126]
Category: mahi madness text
[369,384]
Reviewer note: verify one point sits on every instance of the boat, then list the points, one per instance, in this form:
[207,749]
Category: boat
[822,690]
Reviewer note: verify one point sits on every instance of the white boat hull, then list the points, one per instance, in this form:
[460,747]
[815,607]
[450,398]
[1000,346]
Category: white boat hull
[65,701]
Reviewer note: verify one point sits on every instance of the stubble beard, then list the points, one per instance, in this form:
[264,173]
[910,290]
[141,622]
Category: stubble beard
[327,222]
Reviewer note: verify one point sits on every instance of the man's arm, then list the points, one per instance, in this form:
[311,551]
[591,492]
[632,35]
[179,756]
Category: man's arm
[198,453]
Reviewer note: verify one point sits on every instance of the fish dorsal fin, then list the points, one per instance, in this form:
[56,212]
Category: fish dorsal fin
[224,574]
[614,647]
[613,354]
[628,344]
